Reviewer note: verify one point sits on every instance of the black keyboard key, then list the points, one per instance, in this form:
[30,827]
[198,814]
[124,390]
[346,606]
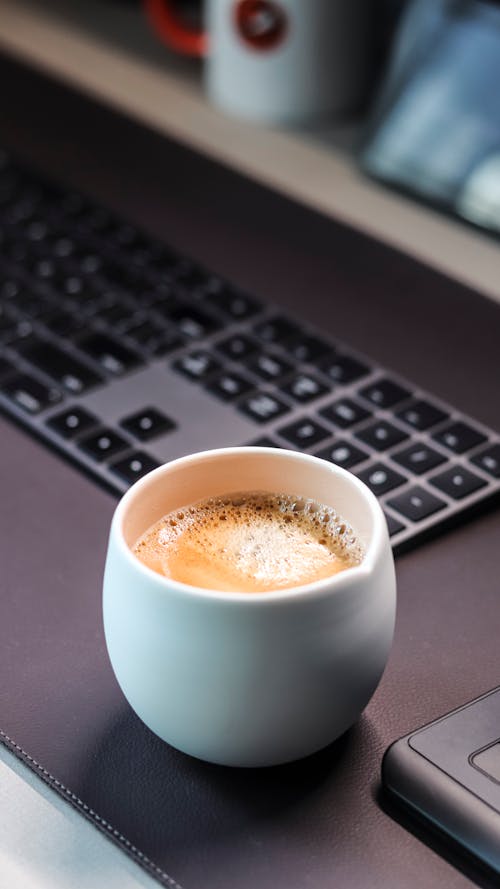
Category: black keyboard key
[344,454]
[87,300]
[31,303]
[161,297]
[116,314]
[45,269]
[112,355]
[63,247]
[28,393]
[62,323]
[72,422]
[197,365]
[10,288]
[89,264]
[7,318]
[236,347]
[381,435]
[308,348]
[228,386]
[489,460]
[263,407]
[192,323]
[8,322]
[102,444]
[416,504]
[38,231]
[394,526]
[169,342]
[148,423]
[345,413]
[381,479]
[342,369]
[269,367]
[134,466]
[459,437]
[237,306]
[384,393]
[15,251]
[304,388]
[304,433]
[276,330]
[75,287]
[457,482]
[421,414]
[63,368]
[5,367]
[145,333]
[419,458]
[122,277]
[13,332]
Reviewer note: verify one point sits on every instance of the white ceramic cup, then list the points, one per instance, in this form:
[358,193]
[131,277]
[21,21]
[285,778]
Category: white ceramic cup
[276,60]
[317,65]
[248,679]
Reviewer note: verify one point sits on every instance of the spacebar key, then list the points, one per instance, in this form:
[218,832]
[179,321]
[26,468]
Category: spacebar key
[61,367]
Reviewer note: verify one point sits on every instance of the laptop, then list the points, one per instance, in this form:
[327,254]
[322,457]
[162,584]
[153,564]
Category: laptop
[125,346]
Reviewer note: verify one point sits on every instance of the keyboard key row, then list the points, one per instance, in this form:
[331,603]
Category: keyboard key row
[64,369]
[265,407]
[344,413]
[104,443]
[456,482]
[144,425]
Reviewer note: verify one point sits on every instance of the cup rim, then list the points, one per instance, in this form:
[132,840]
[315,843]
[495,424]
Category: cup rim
[326,585]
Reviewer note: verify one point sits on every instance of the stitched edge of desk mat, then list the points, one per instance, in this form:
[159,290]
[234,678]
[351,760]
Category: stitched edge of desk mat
[104,826]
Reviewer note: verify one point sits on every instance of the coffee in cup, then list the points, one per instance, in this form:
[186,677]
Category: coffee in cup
[250,542]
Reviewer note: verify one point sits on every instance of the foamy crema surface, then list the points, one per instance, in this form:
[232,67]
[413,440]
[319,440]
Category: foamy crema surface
[252,543]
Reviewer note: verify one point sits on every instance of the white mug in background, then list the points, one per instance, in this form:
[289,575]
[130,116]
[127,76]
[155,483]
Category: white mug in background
[248,679]
[276,60]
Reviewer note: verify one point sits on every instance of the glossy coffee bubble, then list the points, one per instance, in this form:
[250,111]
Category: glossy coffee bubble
[250,542]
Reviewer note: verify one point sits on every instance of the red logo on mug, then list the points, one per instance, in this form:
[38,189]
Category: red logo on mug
[261,24]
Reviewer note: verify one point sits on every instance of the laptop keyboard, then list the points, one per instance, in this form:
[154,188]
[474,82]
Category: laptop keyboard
[123,354]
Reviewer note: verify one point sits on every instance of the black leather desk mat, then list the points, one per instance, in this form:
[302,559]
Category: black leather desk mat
[320,823]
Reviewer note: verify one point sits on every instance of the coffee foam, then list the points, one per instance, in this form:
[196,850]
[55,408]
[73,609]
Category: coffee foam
[251,542]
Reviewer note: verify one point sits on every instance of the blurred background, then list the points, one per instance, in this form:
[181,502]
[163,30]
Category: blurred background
[405,89]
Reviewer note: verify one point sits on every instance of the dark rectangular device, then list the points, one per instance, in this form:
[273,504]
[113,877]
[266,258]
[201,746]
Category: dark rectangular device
[448,773]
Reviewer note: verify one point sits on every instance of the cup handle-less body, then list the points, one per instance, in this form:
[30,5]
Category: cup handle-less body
[248,679]
[243,686]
